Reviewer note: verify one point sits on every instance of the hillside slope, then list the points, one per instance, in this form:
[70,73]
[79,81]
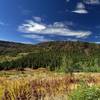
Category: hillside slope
[12,47]
[56,55]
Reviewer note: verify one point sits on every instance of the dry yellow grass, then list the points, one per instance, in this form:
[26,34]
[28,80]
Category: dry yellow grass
[41,84]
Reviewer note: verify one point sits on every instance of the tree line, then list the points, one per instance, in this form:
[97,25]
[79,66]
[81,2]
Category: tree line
[56,61]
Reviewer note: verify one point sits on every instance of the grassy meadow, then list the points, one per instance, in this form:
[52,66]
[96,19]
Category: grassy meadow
[50,71]
[42,84]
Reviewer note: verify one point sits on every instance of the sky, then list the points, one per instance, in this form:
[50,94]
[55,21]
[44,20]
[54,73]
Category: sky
[35,21]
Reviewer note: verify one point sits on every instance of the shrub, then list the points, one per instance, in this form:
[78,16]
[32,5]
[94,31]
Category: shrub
[86,93]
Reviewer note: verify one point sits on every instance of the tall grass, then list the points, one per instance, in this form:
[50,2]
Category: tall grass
[37,89]
[49,87]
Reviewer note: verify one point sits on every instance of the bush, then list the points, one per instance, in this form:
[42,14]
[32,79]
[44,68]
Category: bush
[86,93]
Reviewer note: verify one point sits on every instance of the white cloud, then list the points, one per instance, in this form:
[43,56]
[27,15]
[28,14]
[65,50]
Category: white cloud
[58,28]
[37,19]
[92,2]
[80,9]
[36,37]
[31,27]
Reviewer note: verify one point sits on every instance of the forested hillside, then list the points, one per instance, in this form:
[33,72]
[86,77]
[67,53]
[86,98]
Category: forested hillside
[11,48]
[59,56]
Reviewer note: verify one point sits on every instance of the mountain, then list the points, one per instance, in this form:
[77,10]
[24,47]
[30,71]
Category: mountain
[55,55]
[12,47]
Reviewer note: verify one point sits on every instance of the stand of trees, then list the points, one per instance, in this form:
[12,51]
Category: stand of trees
[56,56]
[48,60]
[55,61]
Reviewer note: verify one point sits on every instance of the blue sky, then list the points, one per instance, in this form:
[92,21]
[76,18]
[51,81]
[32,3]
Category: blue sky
[33,21]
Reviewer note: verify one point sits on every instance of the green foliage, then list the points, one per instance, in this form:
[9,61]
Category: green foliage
[86,93]
[59,56]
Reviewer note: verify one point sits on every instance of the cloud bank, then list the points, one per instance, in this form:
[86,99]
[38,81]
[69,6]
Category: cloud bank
[36,37]
[57,28]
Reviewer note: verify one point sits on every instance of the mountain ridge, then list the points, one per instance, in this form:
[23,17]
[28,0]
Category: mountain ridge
[10,47]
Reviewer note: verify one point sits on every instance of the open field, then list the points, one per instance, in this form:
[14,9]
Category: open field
[42,84]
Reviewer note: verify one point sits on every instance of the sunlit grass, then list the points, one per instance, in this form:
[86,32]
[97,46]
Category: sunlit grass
[41,84]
